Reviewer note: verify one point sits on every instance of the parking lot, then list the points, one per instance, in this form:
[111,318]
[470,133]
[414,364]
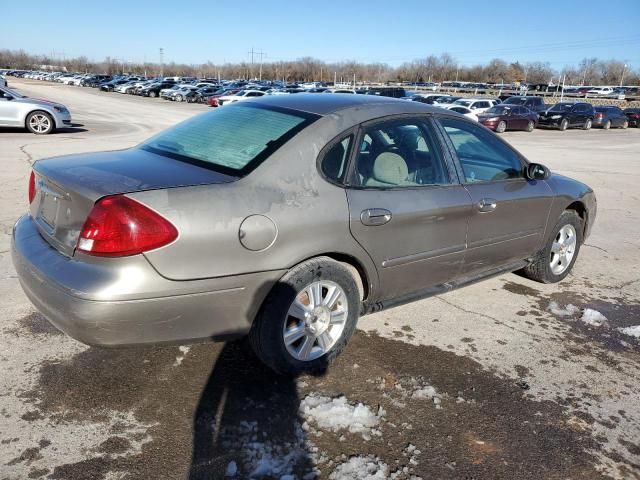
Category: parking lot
[502,379]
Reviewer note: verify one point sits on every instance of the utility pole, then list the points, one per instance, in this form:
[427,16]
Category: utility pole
[161,62]
[622,76]
[261,54]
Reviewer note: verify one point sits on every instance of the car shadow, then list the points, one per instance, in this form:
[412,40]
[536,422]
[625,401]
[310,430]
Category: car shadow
[246,422]
[73,128]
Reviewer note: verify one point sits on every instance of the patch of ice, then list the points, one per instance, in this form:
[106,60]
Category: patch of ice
[361,468]
[633,331]
[425,392]
[337,414]
[593,317]
[567,311]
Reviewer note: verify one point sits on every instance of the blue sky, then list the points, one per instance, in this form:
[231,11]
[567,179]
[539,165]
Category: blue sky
[561,32]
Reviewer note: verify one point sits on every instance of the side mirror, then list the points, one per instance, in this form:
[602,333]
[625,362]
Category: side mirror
[536,171]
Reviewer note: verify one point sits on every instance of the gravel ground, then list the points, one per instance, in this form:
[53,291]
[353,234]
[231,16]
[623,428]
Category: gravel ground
[504,379]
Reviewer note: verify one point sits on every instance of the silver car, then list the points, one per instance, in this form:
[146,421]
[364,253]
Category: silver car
[286,218]
[37,115]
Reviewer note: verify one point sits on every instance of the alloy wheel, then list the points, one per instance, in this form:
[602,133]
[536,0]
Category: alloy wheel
[40,123]
[315,320]
[563,249]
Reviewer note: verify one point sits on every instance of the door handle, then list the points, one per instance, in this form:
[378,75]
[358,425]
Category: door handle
[487,205]
[375,216]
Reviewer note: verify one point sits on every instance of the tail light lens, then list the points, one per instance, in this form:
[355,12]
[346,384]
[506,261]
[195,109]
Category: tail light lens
[32,187]
[119,226]
[599,115]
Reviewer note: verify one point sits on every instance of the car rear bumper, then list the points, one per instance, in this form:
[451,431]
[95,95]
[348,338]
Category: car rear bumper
[126,302]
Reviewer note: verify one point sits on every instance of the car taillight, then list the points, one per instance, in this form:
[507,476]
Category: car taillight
[599,115]
[119,226]
[32,187]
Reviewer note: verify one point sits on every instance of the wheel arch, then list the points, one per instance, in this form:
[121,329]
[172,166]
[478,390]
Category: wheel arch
[582,212]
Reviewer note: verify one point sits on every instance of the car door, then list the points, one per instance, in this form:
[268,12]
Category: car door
[9,110]
[407,208]
[509,212]
[519,118]
[577,115]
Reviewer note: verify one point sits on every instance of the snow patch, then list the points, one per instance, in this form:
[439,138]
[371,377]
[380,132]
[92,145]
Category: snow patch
[633,331]
[337,414]
[183,350]
[593,317]
[361,468]
[567,311]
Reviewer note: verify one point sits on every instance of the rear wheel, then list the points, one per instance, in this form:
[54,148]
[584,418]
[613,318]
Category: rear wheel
[307,318]
[502,126]
[556,259]
[179,98]
[40,123]
[625,125]
[564,124]
[607,125]
[530,126]
[153,94]
[587,124]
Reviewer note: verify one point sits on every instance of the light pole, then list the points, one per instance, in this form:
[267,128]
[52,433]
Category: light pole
[161,62]
[622,76]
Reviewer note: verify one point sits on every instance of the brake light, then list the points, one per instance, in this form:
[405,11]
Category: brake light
[599,115]
[32,187]
[119,226]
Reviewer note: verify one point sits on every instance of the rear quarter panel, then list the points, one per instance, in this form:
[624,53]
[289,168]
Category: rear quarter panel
[311,215]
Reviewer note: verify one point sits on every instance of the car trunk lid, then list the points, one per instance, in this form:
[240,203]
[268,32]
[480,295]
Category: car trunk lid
[68,187]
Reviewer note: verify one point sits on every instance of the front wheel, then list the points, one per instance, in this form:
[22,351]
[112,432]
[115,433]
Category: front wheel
[502,126]
[587,124]
[40,123]
[607,125]
[179,98]
[625,125]
[307,318]
[556,259]
[530,126]
[564,124]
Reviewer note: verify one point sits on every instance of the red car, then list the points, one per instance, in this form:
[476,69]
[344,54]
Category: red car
[213,99]
[508,117]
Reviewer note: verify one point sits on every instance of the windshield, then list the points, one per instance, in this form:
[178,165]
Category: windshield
[233,139]
[516,101]
[561,107]
[464,103]
[498,110]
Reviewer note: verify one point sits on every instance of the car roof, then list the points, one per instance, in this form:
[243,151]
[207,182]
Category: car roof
[326,104]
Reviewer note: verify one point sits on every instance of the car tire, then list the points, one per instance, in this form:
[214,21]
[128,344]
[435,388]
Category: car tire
[179,98]
[564,124]
[587,124]
[501,127]
[153,94]
[607,125]
[625,125]
[530,126]
[40,123]
[303,350]
[542,268]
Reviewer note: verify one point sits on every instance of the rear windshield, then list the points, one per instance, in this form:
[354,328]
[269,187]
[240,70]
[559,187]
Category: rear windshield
[233,139]
[516,101]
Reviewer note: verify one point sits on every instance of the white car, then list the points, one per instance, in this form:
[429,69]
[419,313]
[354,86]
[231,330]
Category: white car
[600,91]
[476,105]
[463,110]
[3,81]
[240,96]
[339,90]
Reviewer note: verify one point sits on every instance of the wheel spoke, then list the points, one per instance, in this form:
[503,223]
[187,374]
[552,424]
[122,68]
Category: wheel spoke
[294,334]
[333,294]
[325,341]
[315,295]
[298,310]
[307,345]
[338,317]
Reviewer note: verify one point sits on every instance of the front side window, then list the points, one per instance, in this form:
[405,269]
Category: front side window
[400,153]
[483,157]
[233,140]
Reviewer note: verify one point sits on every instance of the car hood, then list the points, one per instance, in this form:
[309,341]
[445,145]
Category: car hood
[39,101]
[95,175]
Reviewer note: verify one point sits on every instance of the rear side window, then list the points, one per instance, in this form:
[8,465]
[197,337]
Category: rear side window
[334,162]
[233,140]
[483,157]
